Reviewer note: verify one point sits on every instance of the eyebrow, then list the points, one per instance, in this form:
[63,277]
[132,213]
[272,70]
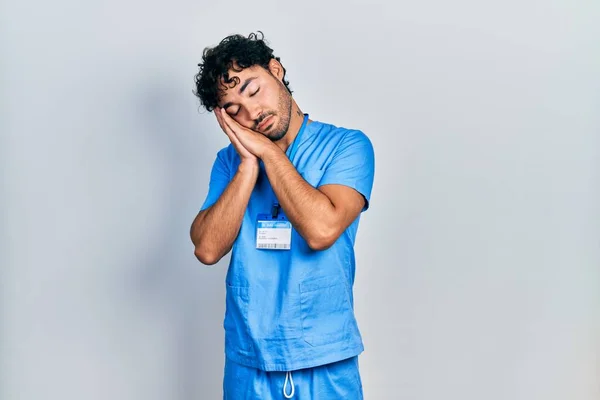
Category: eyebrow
[246,83]
[242,88]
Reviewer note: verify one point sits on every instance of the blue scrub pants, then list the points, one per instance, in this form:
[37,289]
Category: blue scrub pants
[338,380]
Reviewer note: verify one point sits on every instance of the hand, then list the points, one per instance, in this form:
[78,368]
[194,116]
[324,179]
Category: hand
[244,154]
[252,142]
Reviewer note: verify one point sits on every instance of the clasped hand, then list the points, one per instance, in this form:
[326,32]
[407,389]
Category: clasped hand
[249,144]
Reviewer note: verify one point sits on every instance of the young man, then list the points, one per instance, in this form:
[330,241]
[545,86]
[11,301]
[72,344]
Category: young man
[286,198]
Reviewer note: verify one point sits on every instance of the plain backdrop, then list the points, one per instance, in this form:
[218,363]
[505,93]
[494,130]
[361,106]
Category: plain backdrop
[478,272]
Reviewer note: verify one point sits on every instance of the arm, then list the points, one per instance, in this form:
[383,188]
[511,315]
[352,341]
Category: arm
[214,229]
[319,215]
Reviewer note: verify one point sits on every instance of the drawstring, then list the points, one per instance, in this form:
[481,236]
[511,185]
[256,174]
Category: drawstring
[288,376]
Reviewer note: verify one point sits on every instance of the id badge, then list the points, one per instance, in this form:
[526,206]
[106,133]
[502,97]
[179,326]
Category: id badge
[273,233]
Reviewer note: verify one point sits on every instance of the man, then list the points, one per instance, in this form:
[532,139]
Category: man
[286,197]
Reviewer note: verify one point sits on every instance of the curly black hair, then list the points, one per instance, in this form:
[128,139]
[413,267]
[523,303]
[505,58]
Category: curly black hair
[217,61]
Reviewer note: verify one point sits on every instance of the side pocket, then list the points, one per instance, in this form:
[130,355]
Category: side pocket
[236,318]
[327,316]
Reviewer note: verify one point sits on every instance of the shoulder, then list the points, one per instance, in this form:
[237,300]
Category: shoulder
[341,139]
[228,155]
[334,133]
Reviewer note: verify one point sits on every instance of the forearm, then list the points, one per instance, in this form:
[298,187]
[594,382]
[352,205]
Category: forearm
[214,230]
[311,212]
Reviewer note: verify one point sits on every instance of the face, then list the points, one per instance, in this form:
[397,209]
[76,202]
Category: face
[259,100]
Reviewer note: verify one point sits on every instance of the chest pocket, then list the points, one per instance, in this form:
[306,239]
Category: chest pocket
[313,176]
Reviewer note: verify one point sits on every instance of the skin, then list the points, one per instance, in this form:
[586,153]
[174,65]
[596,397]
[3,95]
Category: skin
[319,215]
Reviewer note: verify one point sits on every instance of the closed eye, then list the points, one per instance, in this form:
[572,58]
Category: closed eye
[257,90]
[237,110]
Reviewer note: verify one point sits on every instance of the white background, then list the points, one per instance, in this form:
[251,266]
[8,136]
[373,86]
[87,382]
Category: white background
[478,271]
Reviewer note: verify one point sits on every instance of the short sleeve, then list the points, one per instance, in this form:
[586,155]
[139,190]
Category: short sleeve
[353,165]
[219,179]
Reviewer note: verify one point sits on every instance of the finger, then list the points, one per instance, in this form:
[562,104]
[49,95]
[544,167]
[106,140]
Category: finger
[228,131]
[231,134]
[227,120]
[219,117]
[236,133]
[234,139]
[242,151]
[236,128]
[226,127]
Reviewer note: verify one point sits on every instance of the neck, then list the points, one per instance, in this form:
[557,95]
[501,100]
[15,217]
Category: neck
[296,120]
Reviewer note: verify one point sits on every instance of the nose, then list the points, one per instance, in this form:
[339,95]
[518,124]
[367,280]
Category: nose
[254,111]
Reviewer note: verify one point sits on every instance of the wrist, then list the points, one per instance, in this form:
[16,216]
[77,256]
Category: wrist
[248,167]
[270,151]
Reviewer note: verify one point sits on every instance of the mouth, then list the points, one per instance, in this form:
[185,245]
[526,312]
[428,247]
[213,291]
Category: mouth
[264,123]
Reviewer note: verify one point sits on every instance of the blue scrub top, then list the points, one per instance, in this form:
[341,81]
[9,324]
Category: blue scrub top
[293,309]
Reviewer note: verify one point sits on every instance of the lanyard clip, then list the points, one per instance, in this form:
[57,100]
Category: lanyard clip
[275,210]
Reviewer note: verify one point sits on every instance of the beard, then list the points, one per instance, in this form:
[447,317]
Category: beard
[284,112]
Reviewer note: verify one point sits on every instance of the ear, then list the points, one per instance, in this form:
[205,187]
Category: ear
[276,69]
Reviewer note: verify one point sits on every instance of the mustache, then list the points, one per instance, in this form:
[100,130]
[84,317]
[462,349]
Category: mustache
[261,118]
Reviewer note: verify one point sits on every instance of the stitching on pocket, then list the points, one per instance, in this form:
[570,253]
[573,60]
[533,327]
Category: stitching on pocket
[326,311]
[318,283]
[239,307]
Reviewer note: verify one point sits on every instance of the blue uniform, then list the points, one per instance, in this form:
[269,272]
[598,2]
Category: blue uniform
[288,310]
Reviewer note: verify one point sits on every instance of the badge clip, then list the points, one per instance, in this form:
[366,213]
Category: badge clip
[275,211]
